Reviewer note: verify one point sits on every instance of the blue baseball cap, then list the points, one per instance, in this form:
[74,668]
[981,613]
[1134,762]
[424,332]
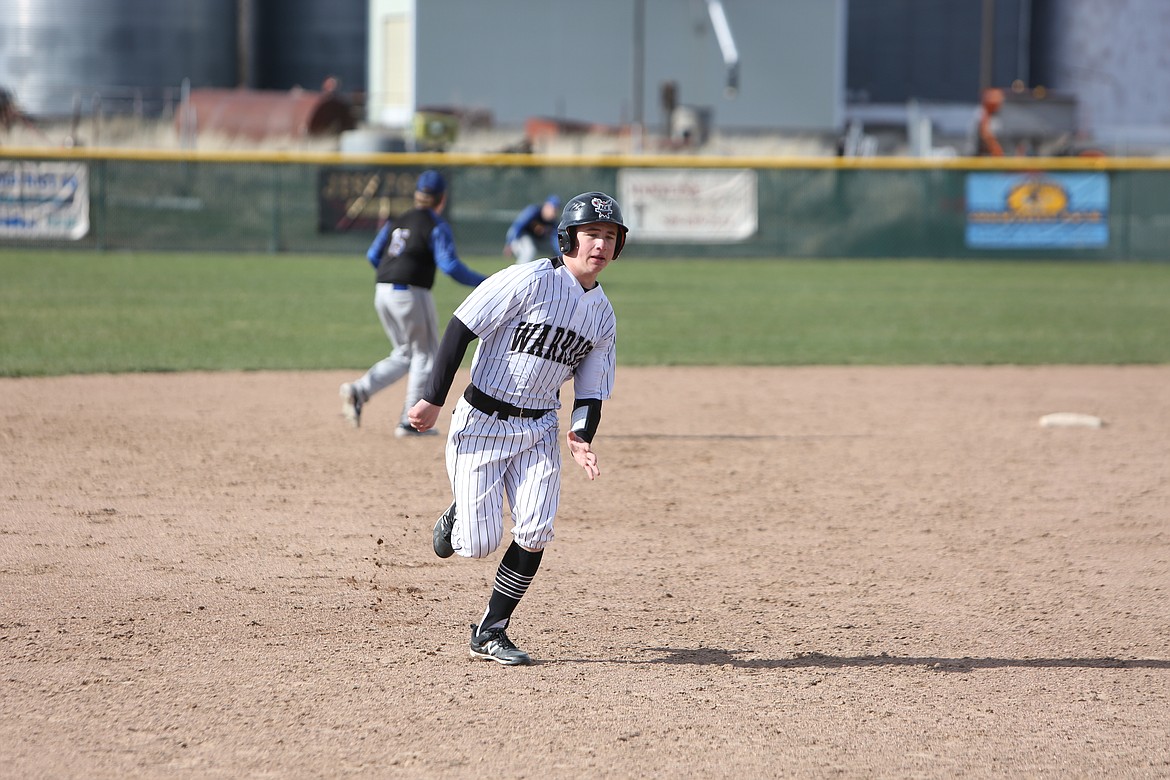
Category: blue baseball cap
[555,200]
[431,183]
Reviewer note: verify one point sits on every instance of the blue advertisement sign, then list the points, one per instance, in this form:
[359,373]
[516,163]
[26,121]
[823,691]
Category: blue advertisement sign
[1037,210]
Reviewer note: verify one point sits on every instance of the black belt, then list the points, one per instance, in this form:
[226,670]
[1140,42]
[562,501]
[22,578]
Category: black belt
[488,405]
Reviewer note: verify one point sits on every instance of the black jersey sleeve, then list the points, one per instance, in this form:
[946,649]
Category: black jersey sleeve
[452,348]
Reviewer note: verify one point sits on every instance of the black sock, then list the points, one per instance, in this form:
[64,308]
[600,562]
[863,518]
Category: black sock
[517,568]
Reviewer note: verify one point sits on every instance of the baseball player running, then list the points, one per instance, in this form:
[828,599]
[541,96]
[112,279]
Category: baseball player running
[538,324]
[534,226]
[405,254]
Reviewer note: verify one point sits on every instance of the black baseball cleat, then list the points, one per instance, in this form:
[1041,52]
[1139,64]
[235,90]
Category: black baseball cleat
[494,645]
[351,404]
[441,536]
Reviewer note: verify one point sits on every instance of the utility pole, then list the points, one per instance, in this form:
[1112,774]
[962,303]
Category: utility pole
[639,73]
[987,46]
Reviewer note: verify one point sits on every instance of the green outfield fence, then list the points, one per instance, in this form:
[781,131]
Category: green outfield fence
[807,207]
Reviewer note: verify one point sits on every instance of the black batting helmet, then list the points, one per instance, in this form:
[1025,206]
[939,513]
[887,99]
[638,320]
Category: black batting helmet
[586,208]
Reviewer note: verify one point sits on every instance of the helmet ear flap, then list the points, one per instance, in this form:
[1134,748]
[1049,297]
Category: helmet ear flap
[565,240]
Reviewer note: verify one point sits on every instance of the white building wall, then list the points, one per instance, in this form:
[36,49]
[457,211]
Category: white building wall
[391,75]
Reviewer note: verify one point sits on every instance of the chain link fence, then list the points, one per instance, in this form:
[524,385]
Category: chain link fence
[815,208]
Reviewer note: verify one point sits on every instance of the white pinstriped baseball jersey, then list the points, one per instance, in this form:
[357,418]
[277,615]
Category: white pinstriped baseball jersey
[538,327]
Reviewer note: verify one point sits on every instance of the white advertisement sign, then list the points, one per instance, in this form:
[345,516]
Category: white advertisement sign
[686,205]
[44,200]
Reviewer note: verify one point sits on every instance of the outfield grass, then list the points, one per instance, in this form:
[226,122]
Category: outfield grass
[83,312]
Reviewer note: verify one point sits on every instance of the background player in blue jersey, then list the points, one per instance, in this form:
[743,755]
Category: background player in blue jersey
[405,253]
[538,324]
[534,231]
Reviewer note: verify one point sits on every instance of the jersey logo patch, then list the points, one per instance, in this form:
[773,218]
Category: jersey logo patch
[555,343]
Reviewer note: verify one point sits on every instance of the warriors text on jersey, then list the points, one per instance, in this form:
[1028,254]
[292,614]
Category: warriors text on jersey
[538,327]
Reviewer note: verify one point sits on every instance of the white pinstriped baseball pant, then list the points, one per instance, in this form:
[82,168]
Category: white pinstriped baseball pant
[488,460]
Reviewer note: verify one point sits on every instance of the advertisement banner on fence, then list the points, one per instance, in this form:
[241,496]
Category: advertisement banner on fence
[1037,210]
[43,200]
[669,205]
[361,199]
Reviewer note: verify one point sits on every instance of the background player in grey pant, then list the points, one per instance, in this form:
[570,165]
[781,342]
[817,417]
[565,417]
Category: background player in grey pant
[534,230]
[405,254]
[538,324]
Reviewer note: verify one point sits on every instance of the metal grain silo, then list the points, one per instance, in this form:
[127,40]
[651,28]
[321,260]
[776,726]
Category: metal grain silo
[56,52]
[300,43]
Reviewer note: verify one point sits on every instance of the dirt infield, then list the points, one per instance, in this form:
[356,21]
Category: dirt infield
[807,572]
